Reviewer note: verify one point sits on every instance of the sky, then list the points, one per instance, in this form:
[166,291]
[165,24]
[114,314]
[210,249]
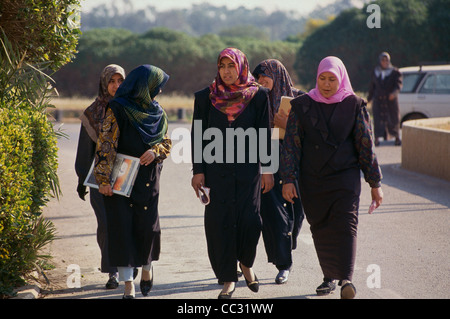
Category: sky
[301,6]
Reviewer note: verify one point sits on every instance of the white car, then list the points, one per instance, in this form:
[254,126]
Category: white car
[425,92]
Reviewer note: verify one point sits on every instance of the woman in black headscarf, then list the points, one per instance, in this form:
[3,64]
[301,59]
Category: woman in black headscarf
[281,220]
[91,120]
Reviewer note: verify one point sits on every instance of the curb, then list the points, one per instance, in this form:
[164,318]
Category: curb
[27,292]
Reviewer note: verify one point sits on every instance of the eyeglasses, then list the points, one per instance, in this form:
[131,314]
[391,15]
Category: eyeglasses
[203,195]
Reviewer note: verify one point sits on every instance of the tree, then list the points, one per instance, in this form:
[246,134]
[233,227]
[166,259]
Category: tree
[190,61]
[409,32]
[43,30]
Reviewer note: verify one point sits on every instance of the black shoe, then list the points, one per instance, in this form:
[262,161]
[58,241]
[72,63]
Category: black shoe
[112,283]
[253,285]
[348,291]
[146,285]
[226,295]
[398,142]
[127,297]
[282,277]
[326,288]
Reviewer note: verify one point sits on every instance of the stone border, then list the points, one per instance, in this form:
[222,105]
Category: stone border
[426,147]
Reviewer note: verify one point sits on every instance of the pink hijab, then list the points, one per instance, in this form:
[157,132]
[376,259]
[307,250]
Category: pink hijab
[334,65]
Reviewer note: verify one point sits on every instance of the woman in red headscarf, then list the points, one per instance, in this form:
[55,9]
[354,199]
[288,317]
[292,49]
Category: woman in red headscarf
[328,141]
[233,102]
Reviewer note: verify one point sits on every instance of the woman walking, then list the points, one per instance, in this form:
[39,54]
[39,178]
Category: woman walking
[282,220]
[232,221]
[329,140]
[91,120]
[384,87]
[135,125]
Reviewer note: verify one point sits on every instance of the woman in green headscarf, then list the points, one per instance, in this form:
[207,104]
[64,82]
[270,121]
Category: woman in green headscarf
[135,125]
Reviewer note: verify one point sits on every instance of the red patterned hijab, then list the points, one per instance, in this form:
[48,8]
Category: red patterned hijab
[232,100]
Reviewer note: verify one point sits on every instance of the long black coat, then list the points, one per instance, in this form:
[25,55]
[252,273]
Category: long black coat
[386,113]
[83,161]
[232,220]
[331,144]
[133,223]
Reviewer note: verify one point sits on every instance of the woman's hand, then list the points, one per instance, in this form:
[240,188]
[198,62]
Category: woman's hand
[267,182]
[280,119]
[198,180]
[105,190]
[377,196]
[147,158]
[289,192]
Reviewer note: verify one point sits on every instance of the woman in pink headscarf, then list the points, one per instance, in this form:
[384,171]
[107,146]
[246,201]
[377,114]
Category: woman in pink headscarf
[328,141]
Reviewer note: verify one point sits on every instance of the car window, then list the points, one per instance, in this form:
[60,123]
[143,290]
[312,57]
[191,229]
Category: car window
[410,81]
[437,84]
[428,86]
[442,84]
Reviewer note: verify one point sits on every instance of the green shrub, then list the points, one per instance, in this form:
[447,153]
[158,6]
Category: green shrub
[16,178]
[43,161]
[28,164]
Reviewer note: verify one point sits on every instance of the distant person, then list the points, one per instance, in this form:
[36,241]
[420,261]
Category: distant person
[135,125]
[385,85]
[232,221]
[91,120]
[281,220]
[328,142]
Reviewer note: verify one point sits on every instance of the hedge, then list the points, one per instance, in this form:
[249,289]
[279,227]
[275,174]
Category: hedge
[27,160]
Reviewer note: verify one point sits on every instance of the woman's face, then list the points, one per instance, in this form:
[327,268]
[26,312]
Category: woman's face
[266,82]
[228,71]
[114,83]
[328,84]
[384,62]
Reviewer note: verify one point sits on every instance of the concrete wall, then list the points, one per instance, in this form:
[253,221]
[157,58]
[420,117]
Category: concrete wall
[426,146]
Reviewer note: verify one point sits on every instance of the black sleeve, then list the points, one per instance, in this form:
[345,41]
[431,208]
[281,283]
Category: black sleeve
[199,125]
[85,155]
[264,123]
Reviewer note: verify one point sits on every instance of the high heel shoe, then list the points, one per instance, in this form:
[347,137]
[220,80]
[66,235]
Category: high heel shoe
[252,285]
[146,285]
[226,295]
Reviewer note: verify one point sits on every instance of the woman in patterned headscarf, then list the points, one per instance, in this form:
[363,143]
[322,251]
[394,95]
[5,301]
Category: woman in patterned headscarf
[282,221]
[135,125]
[91,120]
[273,75]
[232,222]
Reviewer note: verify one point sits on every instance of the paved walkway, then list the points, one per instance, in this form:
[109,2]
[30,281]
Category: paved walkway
[403,248]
